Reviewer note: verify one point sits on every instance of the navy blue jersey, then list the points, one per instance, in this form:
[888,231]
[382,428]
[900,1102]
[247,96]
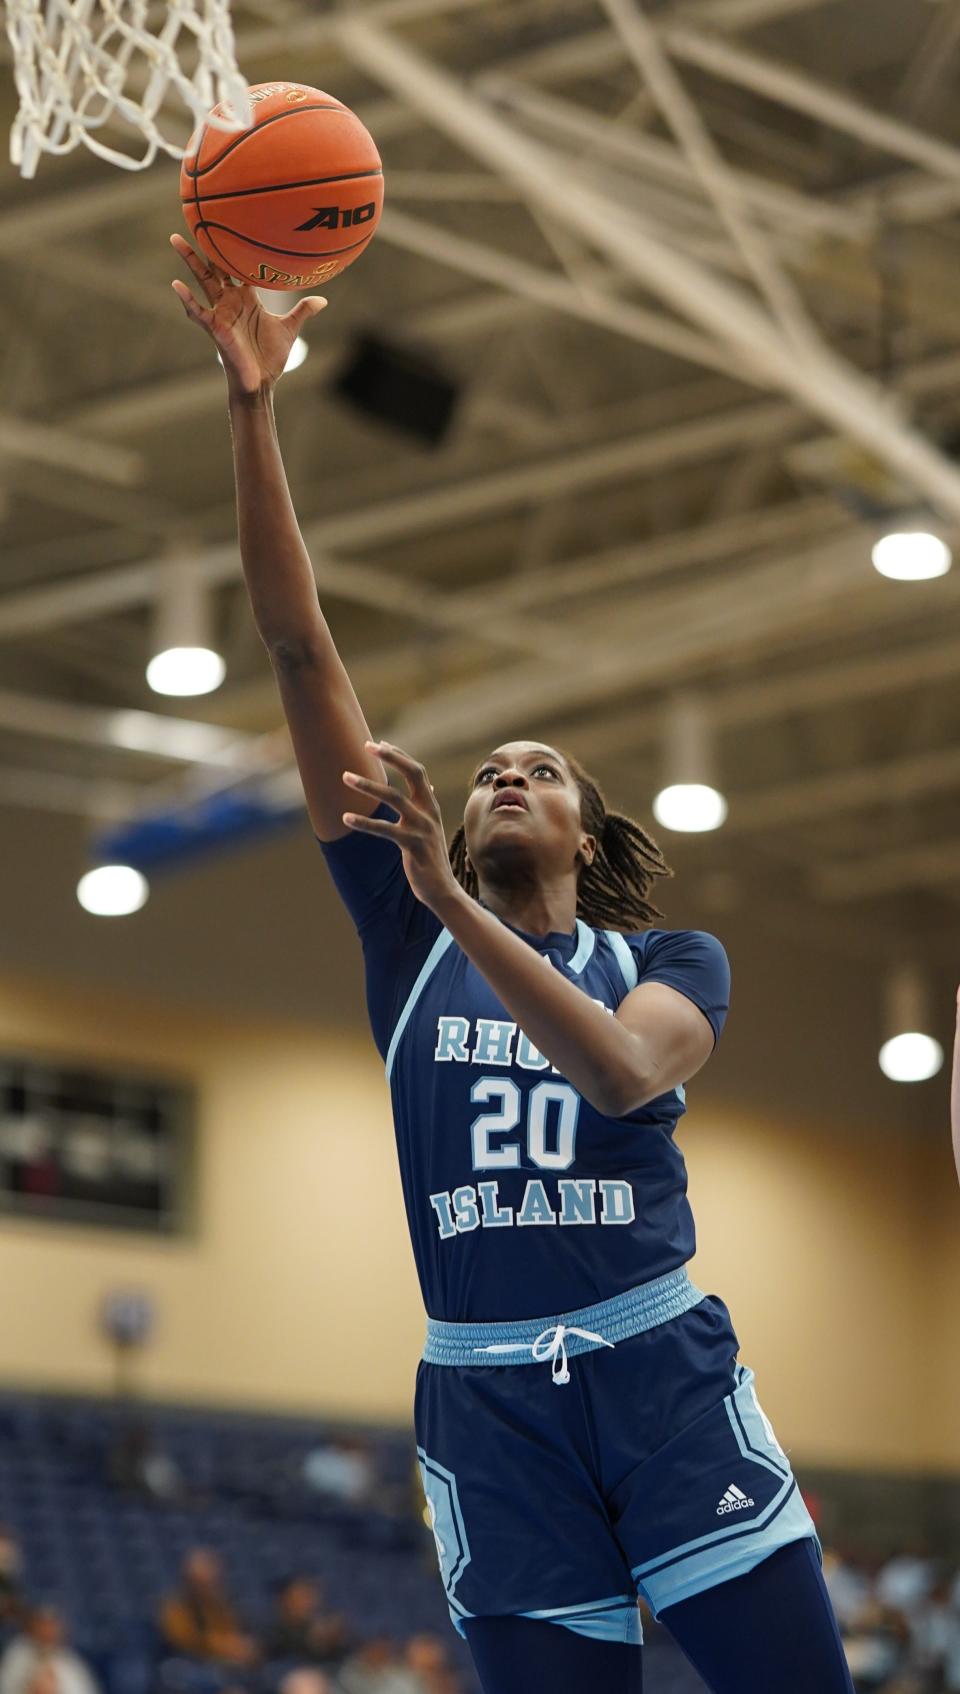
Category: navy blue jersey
[521,1198]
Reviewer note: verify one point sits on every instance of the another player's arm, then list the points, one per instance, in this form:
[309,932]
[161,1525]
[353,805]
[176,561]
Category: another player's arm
[326,723]
[955,1092]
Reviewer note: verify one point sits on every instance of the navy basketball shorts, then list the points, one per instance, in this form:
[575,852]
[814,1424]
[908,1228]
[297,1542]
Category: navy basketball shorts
[575,1467]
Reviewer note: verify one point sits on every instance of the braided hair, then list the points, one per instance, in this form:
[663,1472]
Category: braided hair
[612,891]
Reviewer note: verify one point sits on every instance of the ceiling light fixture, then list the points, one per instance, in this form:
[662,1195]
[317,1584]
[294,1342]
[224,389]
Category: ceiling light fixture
[689,800]
[909,1053]
[184,660]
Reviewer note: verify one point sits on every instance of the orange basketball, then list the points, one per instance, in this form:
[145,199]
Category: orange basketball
[291,201]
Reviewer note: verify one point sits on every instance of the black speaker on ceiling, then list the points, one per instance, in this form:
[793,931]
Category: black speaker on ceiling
[399,387]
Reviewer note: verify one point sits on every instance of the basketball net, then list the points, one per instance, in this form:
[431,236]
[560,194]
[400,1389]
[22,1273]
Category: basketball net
[81,65]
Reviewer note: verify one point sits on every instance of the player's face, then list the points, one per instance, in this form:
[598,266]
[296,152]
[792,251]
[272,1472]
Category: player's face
[523,811]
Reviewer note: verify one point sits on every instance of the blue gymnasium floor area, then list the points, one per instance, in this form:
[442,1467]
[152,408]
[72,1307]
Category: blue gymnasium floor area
[106,1556]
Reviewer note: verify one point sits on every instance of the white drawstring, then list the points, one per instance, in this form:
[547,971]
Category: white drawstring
[550,1344]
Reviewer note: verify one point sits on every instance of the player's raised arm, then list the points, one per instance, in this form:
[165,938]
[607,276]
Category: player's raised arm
[326,723]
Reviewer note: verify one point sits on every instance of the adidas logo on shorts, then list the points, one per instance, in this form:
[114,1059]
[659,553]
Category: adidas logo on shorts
[734,1500]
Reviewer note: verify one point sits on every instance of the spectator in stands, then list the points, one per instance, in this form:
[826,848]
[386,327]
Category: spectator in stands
[40,1653]
[302,1631]
[138,1464]
[11,1569]
[306,1680]
[426,1657]
[43,1681]
[199,1621]
[378,1668]
[444,1682]
[876,1647]
[342,1468]
[951,1662]
[848,1585]
[934,1625]
[906,1578]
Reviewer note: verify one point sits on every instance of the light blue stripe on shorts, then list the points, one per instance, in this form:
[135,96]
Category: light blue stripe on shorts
[640,1308]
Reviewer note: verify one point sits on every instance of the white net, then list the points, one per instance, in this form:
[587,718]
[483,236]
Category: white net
[83,67]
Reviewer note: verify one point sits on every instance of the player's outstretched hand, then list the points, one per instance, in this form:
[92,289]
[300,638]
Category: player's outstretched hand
[419,832]
[253,343]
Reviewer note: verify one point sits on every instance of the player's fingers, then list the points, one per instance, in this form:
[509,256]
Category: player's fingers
[378,826]
[210,280]
[381,791]
[199,264]
[414,772]
[198,313]
[304,310]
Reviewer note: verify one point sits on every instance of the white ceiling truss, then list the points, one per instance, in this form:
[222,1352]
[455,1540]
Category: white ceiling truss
[693,264]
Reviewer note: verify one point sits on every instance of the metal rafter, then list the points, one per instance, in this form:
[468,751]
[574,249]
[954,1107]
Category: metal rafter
[819,381]
[745,14]
[735,617]
[318,32]
[581,300]
[35,609]
[147,734]
[58,449]
[766,699]
[760,810]
[792,223]
[794,89]
[933,60]
[571,472]
[596,51]
[778,205]
[709,167]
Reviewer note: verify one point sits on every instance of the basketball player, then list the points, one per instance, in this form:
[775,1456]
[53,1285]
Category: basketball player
[584,1429]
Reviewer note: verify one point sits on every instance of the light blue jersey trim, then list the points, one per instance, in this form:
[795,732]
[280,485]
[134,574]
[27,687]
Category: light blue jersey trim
[446,1521]
[584,952]
[706,1569]
[616,1619]
[732,1549]
[740,1418]
[620,1623]
[726,1533]
[617,1319]
[630,973]
[624,958]
[434,956]
[458,1615]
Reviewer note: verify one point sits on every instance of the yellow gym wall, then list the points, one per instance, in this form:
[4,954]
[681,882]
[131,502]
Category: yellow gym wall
[837,1252]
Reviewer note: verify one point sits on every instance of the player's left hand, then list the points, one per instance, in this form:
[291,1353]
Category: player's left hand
[419,830]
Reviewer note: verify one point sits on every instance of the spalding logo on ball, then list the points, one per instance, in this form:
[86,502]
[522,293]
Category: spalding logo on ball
[291,201]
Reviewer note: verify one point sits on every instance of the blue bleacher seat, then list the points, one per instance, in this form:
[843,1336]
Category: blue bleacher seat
[107,1558]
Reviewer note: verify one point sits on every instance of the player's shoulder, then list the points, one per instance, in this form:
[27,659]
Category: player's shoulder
[681,953]
[644,941]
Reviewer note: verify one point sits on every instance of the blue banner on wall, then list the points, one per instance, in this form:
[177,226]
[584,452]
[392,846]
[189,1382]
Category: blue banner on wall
[215,823]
